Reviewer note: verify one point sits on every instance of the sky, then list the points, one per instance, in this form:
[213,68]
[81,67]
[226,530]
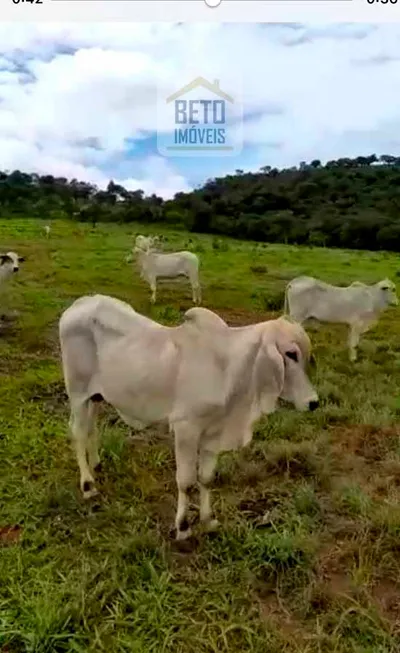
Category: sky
[80,100]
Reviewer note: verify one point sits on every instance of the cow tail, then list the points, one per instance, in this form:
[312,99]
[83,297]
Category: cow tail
[286,302]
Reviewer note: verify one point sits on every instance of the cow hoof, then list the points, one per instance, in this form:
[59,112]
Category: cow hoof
[212,526]
[183,535]
[89,490]
[90,494]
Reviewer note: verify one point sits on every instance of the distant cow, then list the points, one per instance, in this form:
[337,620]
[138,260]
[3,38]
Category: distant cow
[357,305]
[156,265]
[46,230]
[209,380]
[9,263]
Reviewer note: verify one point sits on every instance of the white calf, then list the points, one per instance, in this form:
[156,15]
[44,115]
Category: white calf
[46,230]
[154,265]
[9,263]
[357,305]
[210,381]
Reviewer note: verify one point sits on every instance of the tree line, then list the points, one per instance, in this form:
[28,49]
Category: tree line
[348,202]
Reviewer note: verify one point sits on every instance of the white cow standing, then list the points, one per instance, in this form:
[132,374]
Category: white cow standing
[357,305]
[146,242]
[46,230]
[210,381]
[9,265]
[156,265]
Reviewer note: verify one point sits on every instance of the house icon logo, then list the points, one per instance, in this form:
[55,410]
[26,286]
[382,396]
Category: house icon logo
[203,119]
[200,81]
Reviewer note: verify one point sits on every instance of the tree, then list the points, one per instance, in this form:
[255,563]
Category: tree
[347,202]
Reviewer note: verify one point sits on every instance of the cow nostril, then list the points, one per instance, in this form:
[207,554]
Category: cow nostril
[313,405]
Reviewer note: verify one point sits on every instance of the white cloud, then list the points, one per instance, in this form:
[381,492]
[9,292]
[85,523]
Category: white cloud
[77,100]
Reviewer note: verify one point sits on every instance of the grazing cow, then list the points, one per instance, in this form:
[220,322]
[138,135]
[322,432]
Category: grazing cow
[146,243]
[154,265]
[357,305]
[46,230]
[9,263]
[209,380]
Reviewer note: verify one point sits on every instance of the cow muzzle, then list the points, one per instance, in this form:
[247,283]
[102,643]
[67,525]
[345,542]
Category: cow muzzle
[313,405]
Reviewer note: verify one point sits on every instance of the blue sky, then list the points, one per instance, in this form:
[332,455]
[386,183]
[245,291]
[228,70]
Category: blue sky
[79,100]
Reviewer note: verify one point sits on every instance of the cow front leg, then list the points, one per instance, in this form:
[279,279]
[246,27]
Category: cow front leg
[186,443]
[353,340]
[207,467]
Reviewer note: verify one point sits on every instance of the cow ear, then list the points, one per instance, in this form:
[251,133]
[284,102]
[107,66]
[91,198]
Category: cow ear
[263,370]
[4,258]
[21,258]
[292,351]
[293,355]
[269,376]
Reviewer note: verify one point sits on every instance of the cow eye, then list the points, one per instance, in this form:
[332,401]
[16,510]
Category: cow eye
[293,355]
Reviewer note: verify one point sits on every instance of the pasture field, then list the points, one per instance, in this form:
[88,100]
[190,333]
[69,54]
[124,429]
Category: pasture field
[308,556]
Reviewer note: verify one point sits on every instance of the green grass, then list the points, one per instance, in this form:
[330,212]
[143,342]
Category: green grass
[307,557]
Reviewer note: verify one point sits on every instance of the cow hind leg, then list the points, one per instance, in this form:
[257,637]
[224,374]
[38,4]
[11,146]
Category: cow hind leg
[186,446]
[153,288]
[355,331]
[207,466]
[81,424]
[195,293]
[93,434]
[196,290]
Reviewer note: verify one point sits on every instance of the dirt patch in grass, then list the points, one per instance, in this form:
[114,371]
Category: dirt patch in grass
[7,319]
[334,583]
[258,269]
[367,454]
[332,567]
[247,473]
[341,527]
[254,509]
[10,535]
[274,611]
[44,342]
[386,595]
[331,583]
[369,442]
[241,317]
[53,396]
[14,363]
